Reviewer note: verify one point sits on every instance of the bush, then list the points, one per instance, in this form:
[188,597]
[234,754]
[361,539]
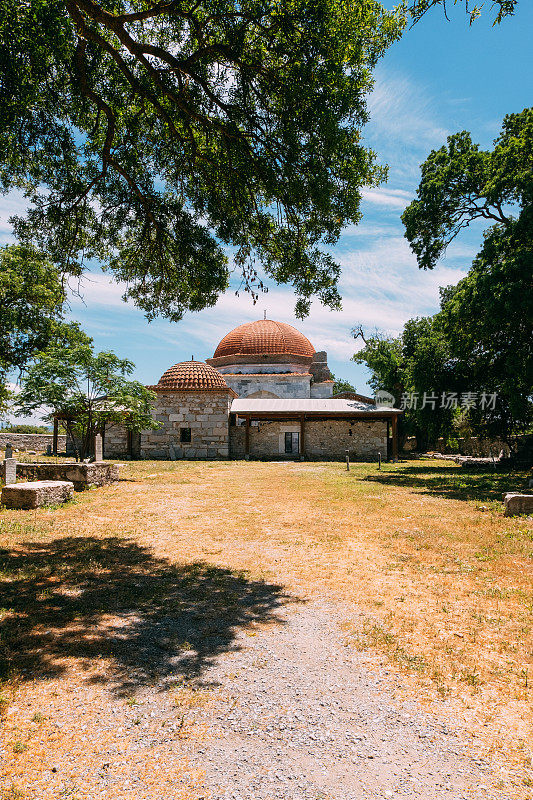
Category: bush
[25,429]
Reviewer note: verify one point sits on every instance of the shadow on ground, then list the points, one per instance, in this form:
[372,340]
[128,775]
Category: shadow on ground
[152,621]
[453,482]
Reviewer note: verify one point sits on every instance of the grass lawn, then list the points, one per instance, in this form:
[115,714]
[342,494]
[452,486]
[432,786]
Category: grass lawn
[428,575]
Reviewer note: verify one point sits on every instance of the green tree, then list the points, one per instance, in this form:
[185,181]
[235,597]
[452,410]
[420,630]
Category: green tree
[31,303]
[488,321]
[153,136]
[416,369]
[88,390]
[487,318]
[461,183]
[341,385]
[503,8]
[32,296]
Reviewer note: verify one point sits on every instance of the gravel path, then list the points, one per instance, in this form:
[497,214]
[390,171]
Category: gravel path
[309,721]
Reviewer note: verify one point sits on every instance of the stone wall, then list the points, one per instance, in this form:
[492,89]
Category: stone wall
[31,441]
[116,442]
[319,367]
[236,441]
[267,439]
[322,390]
[328,440]
[205,413]
[288,385]
[325,440]
[469,446]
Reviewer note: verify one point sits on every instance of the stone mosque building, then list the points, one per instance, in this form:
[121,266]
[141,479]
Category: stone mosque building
[265,394]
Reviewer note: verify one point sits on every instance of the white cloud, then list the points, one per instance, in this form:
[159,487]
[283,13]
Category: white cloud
[36,418]
[402,111]
[98,288]
[11,204]
[390,198]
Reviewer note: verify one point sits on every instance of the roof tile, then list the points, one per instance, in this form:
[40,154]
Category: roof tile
[264,337]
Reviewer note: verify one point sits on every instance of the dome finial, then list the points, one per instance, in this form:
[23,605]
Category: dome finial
[264,314]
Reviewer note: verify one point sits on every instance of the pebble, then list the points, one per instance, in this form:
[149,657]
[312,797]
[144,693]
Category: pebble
[316,697]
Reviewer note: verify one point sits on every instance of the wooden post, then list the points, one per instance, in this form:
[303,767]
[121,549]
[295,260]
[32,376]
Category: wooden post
[247,438]
[394,421]
[54,440]
[348,460]
[302,437]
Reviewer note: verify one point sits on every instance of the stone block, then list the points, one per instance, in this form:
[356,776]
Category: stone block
[518,504]
[98,448]
[33,494]
[10,470]
[83,476]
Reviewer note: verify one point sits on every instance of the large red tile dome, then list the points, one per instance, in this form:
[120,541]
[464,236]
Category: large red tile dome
[264,337]
[191,375]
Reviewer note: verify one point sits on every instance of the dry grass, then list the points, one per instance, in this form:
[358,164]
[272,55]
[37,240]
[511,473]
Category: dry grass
[440,580]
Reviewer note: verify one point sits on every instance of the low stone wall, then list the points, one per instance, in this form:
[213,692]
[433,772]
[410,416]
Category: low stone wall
[469,446]
[83,476]
[31,441]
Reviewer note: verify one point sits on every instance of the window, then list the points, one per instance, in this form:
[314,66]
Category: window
[185,434]
[292,442]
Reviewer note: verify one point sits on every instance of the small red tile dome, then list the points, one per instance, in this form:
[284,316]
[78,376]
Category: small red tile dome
[192,375]
[264,337]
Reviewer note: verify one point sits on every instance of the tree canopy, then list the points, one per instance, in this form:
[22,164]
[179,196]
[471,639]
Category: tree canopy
[487,319]
[342,385]
[31,303]
[31,307]
[153,136]
[87,390]
[461,183]
[415,368]
[501,8]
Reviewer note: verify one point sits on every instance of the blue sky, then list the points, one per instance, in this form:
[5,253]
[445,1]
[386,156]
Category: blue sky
[442,77]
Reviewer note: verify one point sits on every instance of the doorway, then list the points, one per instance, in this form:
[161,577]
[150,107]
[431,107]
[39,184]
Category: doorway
[292,442]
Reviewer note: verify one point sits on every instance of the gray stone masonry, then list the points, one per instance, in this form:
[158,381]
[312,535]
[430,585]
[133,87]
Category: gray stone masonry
[284,385]
[115,442]
[10,470]
[518,504]
[83,476]
[236,441]
[321,390]
[34,494]
[319,367]
[205,413]
[9,451]
[328,440]
[325,440]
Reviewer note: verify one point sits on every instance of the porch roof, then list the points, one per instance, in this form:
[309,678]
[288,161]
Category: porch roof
[331,407]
